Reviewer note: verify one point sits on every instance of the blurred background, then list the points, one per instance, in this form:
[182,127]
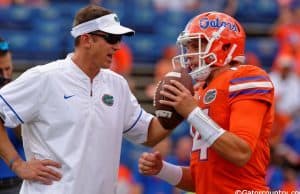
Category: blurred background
[38,31]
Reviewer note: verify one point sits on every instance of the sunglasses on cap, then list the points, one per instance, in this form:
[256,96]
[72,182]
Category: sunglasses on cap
[3,46]
[109,38]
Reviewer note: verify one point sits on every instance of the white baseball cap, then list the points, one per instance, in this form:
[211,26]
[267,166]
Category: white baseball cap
[109,23]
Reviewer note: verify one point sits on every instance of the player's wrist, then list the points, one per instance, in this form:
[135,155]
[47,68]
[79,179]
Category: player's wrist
[207,128]
[15,162]
[170,173]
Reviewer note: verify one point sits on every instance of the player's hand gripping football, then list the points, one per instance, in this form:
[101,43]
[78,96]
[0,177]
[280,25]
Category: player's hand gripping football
[37,170]
[150,163]
[179,97]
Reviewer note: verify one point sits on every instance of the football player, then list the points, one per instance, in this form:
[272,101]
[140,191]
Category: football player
[231,118]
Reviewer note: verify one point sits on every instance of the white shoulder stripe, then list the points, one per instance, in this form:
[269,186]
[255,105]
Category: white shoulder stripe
[249,85]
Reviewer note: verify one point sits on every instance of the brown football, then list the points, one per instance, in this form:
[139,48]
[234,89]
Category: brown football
[167,115]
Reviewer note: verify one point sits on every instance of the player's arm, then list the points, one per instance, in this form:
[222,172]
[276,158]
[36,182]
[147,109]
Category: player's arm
[246,120]
[235,145]
[156,133]
[186,182]
[248,115]
[179,176]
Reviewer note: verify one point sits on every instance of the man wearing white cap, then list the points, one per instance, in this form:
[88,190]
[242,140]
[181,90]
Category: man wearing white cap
[74,113]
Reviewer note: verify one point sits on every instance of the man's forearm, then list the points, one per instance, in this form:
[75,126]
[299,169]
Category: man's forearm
[7,150]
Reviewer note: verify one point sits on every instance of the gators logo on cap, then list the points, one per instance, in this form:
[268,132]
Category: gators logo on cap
[108,99]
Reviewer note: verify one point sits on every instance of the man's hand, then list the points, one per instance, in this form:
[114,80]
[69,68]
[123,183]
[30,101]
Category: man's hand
[179,97]
[150,163]
[37,170]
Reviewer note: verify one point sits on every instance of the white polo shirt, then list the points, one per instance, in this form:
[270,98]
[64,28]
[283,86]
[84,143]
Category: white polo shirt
[79,123]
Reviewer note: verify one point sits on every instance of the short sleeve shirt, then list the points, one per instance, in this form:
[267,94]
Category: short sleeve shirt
[68,118]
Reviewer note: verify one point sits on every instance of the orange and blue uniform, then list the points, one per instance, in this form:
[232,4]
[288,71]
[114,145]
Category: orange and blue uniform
[251,85]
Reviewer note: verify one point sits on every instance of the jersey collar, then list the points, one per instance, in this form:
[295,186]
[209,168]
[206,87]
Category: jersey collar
[77,71]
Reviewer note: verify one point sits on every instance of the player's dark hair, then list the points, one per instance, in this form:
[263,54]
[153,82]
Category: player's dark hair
[88,13]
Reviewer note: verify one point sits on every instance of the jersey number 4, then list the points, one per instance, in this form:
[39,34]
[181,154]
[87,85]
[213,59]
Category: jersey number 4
[198,144]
